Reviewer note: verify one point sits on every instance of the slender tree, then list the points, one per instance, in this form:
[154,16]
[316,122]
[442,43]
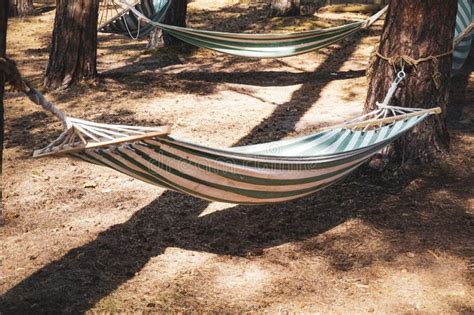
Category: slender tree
[176,15]
[21,7]
[3,46]
[285,7]
[73,52]
[417,29]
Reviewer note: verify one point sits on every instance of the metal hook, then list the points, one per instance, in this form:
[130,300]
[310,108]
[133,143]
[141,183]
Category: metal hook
[400,76]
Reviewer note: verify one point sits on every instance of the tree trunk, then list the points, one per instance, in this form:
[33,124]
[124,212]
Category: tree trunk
[73,52]
[417,29]
[176,15]
[21,7]
[3,47]
[155,40]
[285,7]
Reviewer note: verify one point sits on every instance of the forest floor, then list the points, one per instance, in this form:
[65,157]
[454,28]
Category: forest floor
[78,237]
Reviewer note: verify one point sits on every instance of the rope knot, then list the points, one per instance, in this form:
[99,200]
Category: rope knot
[402,60]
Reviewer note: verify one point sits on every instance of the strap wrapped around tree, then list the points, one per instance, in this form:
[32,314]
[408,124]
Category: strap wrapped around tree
[255,174]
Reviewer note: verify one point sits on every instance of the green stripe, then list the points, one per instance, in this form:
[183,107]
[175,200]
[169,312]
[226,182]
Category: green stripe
[240,191]
[237,176]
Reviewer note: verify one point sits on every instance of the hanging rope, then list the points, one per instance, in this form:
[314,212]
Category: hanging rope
[18,83]
[407,60]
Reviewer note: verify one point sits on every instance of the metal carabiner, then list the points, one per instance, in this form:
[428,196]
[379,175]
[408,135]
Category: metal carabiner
[400,76]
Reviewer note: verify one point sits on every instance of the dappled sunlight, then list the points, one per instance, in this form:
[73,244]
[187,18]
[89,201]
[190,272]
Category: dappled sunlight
[242,280]
[324,112]
[160,281]
[359,59]
[216,206]
[430,287]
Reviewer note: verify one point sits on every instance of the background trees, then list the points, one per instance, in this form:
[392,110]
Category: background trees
[21,7]
[285,7]
[74,43]
[413,28]
[176,15]
[3,46]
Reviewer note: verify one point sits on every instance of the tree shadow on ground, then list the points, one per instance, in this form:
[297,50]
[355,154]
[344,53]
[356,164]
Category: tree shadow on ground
[256,18]
[270,78]
[30,131]
[403,212]
[44,8]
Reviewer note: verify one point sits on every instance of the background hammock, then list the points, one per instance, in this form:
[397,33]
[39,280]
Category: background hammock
[116,18]
[256,174]
[240,44]
[463,20]
[134,18]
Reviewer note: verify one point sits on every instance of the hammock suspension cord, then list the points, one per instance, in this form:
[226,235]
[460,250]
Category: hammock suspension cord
[18,83]
[384,109]
[136,37]
[134,30]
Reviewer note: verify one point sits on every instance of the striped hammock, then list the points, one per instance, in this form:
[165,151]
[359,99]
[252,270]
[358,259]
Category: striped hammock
[240,44]
[464,19]
[270,45]
[255,174]
[128,24]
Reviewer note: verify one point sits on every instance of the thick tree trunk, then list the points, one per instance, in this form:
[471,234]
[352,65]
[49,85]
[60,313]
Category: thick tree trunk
[21,7]
[176,15]
[3,47]
[416,29]
[74,44]
[285,7]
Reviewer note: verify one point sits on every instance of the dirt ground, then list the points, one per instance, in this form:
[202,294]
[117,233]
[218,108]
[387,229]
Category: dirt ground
[80,238]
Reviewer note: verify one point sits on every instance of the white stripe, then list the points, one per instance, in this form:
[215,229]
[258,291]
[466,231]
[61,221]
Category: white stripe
[316,142]
[330,149]
[261,173]
[218,194]
[118,168]
[221,180]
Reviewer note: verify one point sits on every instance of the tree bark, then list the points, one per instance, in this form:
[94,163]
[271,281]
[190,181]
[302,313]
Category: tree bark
[155,38]
[285,7]
[73,54]
[3,46]
[417,29]
[21,7]
[176,15]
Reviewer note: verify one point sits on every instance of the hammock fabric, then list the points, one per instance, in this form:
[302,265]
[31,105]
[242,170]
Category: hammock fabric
[128,24]
[255,174]
[240,44]
[463,20]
